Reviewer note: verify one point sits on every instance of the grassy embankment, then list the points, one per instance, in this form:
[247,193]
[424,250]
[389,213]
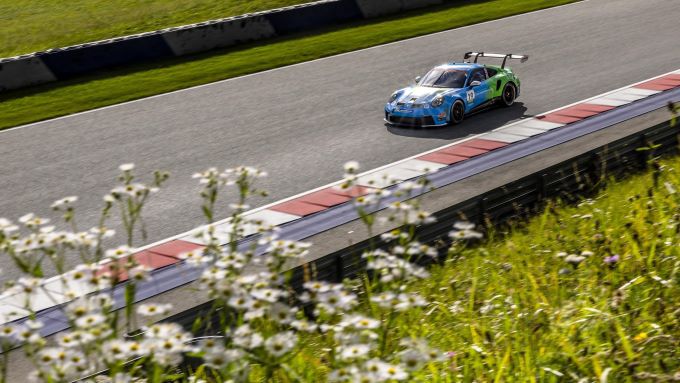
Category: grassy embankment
[115,86]
[29,25]
[580,292]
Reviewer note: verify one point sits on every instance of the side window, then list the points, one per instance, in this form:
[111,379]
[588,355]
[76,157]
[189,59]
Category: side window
[477,75]
[491,72]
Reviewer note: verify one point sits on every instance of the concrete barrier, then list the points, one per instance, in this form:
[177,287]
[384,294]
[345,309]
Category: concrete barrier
[24,71]
[314,15]
[61,63]
[73,61]
[376,8]
[217,34]
[415,4]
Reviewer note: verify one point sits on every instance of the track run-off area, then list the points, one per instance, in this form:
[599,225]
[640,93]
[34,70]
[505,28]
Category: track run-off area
[301,123]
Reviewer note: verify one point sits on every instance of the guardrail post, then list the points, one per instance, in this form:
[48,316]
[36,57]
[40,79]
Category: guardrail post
[643,152]
[598,167]
[483,202]
[542,186]
[339,268]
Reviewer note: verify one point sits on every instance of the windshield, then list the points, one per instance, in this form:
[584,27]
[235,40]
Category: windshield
[444,78]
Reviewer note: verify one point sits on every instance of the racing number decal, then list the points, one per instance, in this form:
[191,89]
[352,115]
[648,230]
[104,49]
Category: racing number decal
[470,95]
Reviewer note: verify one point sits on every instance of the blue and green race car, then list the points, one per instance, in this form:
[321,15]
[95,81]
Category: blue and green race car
[449,92]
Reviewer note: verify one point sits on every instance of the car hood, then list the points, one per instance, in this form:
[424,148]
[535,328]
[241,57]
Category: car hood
[420,94]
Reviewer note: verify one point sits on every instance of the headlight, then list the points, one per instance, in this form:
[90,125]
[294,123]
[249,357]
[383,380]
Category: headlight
[394,97]
[438,101]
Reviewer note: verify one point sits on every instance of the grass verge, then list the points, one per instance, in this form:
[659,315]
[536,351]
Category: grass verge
[28,25]
[112,87]
[579,294]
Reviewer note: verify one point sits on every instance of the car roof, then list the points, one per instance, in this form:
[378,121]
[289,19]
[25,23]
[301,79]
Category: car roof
[460,66]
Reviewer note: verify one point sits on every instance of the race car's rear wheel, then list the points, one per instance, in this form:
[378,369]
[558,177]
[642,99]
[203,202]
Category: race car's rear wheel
[509,94]
[457,112]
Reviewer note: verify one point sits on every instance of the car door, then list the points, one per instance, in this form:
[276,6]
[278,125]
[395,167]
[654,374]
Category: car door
[477,95]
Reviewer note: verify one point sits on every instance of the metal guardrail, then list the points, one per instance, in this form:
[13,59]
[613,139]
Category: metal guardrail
[569,181]
[498,206]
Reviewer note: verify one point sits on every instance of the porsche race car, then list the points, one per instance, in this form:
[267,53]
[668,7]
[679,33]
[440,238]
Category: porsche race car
[449,92]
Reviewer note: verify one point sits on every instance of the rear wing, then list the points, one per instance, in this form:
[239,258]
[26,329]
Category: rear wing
[505,57]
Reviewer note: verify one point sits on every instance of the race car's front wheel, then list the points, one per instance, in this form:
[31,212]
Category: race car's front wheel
[509,94]
[457,112]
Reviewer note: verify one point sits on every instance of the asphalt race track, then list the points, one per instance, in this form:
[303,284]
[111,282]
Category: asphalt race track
[301,123]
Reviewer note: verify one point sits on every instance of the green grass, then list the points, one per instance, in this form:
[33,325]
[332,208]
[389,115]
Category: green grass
[28,25]
[111,87]
[513,310]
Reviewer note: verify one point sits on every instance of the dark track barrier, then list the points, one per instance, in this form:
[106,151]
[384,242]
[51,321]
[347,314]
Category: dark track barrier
[63,63]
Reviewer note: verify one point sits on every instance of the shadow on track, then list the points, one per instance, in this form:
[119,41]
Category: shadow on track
[478,123]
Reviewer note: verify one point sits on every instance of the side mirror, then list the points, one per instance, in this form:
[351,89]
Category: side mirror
[418,79]
[475,83]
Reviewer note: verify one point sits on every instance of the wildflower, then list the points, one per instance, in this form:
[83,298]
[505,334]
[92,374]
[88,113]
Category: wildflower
[319,286]
[554,372]
[268,294]
[119,252]
[464,230]
[612,259]
[195,257]
[121,377]
[354,351]
[126,167]
[64,202]
[586,253]
[89,321]
[574,259]
[240,302]
[407,186]
[246,338]
[343,374]
[8,331]
[463,225]
[6,226]
[139,273]
[456,308]
[115,350]
[27,285]
[477,349]
[281,343]
[26,217]
[239,206]
[390,235]
[384,300]
[421,217]
[151,309]
[669,187]
[351,167]
[388,371]
[219,357]
[282,313]
[407,301]
[303,325]
[103,232]
[363,323]
[412,359]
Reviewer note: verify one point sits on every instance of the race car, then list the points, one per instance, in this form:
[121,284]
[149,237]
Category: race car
[449,92]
